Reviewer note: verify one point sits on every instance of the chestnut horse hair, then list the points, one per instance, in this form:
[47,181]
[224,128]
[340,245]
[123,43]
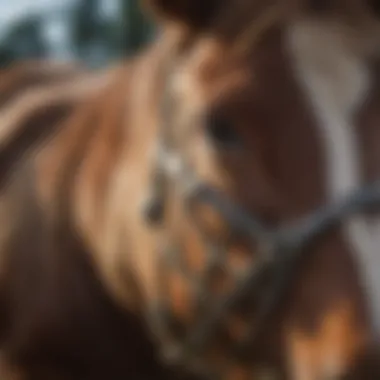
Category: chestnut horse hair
[206,209]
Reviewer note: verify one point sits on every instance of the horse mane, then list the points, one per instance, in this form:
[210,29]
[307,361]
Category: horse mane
[34,98]
[246,22]
[255,30]
[74,114]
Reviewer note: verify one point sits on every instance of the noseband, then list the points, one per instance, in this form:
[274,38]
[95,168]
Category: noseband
[277,252]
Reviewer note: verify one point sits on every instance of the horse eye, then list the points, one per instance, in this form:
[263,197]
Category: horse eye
[222,132]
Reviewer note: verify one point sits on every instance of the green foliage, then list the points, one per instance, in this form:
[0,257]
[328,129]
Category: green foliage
[136,29]
[23,40]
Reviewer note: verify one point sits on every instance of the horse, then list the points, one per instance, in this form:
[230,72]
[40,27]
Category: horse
[36,100]
[207,209]
[34,96]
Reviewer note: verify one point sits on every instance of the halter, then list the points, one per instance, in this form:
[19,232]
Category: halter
[278,252]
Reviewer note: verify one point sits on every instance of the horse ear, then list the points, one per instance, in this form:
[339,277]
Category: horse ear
[192,13]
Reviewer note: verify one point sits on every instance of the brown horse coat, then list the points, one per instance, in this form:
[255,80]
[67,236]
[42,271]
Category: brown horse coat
[79,265]
[56,321]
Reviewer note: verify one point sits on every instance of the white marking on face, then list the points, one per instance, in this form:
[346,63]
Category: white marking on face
[336,79]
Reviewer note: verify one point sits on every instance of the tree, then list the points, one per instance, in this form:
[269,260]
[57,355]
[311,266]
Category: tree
[88,33]
[24,40]
[136,29]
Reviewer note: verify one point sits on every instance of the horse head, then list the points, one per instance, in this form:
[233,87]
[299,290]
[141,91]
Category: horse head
[259,156]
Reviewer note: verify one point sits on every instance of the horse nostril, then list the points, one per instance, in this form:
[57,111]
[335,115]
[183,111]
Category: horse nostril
[154,210]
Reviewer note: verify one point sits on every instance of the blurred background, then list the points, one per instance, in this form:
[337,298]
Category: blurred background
[94,31]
